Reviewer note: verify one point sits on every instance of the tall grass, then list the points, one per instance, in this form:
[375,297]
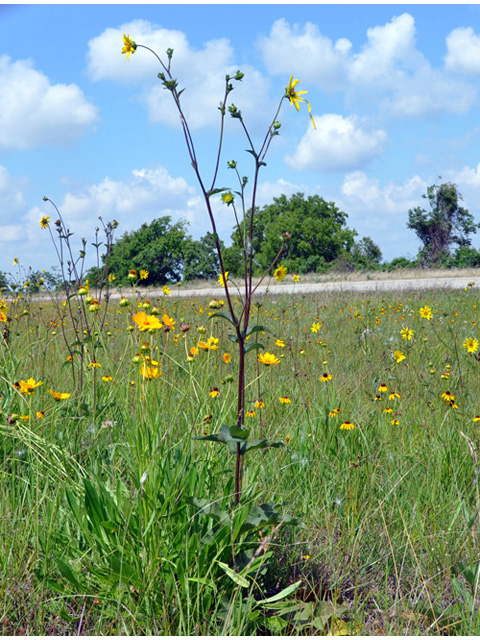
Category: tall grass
[116,520]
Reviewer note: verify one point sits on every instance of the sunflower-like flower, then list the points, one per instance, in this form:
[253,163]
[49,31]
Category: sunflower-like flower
[58,395]
[268,358]
[129,46]
[296,97]
[44,220]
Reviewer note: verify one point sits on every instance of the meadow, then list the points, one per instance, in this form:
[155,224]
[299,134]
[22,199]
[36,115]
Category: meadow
[360,500]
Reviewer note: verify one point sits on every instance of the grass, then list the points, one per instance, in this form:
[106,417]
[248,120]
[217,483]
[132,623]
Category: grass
[116,520]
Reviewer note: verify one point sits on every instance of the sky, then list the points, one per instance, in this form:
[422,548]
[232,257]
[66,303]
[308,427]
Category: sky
[394,92]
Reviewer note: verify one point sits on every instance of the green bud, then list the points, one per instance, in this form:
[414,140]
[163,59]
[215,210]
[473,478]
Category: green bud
[232,164]
[161,76]
[276,125]
[239,75]
[169,53]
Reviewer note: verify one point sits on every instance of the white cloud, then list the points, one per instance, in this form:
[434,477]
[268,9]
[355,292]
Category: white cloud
[337,143]
[388,72]
[463,51]
[468,177]
[34,112]
[200,71]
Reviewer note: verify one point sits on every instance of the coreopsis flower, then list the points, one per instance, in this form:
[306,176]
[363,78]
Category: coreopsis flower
[280,343]
[347,425]
[168,322]
[44,220]
[129,46]
[27,387]
[296,97]
[145,322]
[268,359]
[471,345]
[426,312]
[58,395]
[398,356]
[280,273]
[296,278]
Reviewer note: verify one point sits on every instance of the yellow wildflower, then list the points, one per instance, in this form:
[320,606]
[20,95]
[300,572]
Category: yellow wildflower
[129,45]
[268,358]
[296,97]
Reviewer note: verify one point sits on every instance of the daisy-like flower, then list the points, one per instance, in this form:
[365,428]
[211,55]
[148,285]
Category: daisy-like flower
[447,396]
[150,372]
[268,359]
[334,413]
[280,273]
[210,345]
[395,422]
[476,418]
[228,197]
[347,425]
[296,278]
[259,404]
[44,220]
[213,393]
[393,394]
[129,45]
[227,358]
[406,333]
[143,274]
[471,345]
[111,277]
[166,290]
[145,322]
[250,414]
[221,279]
[315,328]
[280,343]
[285,400]
[27,387]
[287,439]
[398,356]
[168,322]
[325,377]
[383,388]
[107,378]
[94,365]
[296,97]
[426,312]
[58,395]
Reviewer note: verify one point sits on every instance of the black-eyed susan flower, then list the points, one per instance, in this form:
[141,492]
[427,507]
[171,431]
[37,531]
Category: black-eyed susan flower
[94,365]
[471,345]
[476,418]
[395,422]
[285,400]
[347,425]
[259,404]
[268,359]
[393,395]
[334,413]
[447,396]
[288,439]
[325,377]
[107,378]
[213,393]
[250,414]
[129,45]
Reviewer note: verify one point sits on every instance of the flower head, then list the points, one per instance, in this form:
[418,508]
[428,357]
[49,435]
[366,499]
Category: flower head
[426,312]
[44,222]
[228,197]
[222,279]
[296,97]
[27,387]
[145,322]
[398,356]
[285,400]
[129,45]
[57,395]
[347,425]
[268,359]
[325,377]
[406,333]
[280,273]
[471,345]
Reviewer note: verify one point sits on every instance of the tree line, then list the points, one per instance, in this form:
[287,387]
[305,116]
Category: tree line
[305,235]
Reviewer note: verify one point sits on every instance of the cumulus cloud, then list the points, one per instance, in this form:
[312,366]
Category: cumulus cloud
[336,144]
[463,51]
[388,70]
[34,112]
[200,71]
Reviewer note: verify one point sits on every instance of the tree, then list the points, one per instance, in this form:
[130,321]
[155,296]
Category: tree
[446,224]
[200,259]
[318,235]
[366,254]
[156,247]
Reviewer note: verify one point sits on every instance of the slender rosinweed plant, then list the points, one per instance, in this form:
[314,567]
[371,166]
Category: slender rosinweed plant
[235,437]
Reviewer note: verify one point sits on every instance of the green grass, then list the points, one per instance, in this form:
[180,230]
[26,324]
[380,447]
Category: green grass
[115,520]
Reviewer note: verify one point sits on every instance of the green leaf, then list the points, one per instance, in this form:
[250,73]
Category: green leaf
[236,577]
[255,345]
[213,192]
[231,436]
[284,593]
[68,573]
[256,328]
[225,316]
[264,444]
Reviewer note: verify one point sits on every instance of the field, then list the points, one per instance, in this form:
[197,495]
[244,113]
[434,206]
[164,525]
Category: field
[360,495]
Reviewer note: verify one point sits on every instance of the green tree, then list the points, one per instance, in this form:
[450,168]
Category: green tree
[156,247]
[366,254]
[318,235]
[200,258]
[446,224]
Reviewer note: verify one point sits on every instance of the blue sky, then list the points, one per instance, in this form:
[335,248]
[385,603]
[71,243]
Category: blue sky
[394,90]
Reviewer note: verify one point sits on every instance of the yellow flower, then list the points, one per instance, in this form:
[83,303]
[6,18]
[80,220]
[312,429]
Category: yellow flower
[145,322]
[398,356]
[107,378]
[250,414]
[447,396]
[259,404]
[334,413]
[15,261]
[149,373]
[325,377]
[296,278]
[221,279]
[280,343]
[94,365]
[44,222]
[168,322]
[166,290]
[129,45]
[143,274]
[471,345]
[111,277]
[268,358]
[406,333]
[315,328]
[426,312]
[226,358]
[210,345]
[132,274]
[285,400]
[280,273]
[347,425]
[28,386]
[383,388]
[296,97]
[57,395]
[213,393]
[476,418]
[228,198]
